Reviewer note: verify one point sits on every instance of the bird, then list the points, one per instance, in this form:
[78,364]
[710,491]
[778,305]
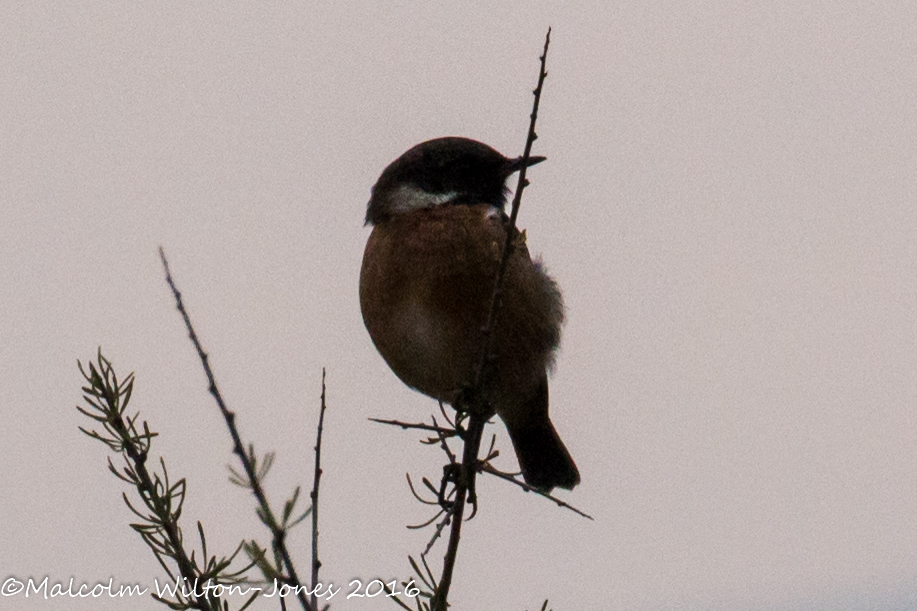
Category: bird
[427,278]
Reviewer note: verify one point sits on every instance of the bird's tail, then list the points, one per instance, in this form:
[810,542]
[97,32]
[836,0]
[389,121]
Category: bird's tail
[543,458]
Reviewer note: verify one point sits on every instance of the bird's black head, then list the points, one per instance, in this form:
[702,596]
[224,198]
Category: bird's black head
[444,171]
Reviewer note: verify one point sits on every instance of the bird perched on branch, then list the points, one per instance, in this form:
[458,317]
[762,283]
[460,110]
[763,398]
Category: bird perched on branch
[426,285]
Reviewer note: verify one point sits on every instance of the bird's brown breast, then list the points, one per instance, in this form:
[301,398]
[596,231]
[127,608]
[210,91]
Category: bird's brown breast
[425,291]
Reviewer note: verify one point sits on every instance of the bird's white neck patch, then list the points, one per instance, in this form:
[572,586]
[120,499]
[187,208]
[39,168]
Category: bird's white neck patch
[408,198]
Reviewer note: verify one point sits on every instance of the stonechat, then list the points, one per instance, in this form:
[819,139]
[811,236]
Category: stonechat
[426,283]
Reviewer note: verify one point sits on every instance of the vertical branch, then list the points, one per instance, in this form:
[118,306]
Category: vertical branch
[477,420]
[316,563]
[509,245]
[464,483]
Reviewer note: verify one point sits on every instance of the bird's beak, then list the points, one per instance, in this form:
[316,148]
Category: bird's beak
[514,165]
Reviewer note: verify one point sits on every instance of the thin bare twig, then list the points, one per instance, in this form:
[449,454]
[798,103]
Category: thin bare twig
[485,468]
[509,246]
[316,563]
[278,533]
[417,425]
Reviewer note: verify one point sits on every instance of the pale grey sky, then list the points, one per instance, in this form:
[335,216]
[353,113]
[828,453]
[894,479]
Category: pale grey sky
[728,206]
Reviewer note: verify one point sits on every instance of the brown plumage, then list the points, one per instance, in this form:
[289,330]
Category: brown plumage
[425,287]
